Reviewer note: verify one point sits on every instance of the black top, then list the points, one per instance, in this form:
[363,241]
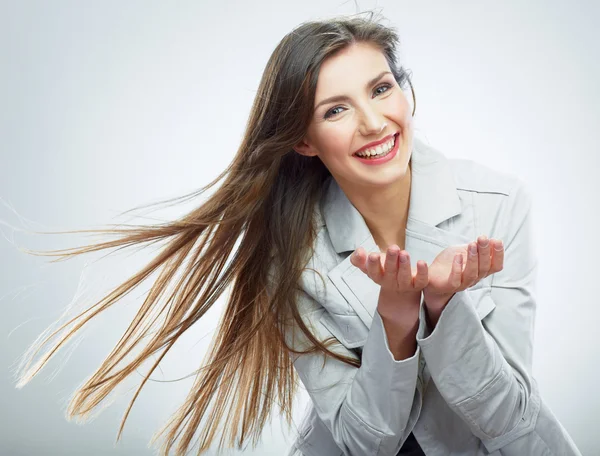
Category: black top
[411,447]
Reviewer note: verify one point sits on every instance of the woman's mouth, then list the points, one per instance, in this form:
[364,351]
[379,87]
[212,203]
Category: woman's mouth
[380,154]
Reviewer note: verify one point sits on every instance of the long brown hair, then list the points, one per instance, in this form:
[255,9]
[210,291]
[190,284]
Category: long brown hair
[267,197]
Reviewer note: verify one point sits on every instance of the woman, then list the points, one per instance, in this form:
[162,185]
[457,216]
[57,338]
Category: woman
[435,360]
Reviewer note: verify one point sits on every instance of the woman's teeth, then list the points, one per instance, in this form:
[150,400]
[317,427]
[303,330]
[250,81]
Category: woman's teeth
[379,151]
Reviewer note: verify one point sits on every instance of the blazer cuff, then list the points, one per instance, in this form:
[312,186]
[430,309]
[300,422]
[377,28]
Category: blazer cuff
[457,351]
[389,411]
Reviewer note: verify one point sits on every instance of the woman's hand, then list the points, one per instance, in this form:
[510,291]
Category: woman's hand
[459,267]
[401,285]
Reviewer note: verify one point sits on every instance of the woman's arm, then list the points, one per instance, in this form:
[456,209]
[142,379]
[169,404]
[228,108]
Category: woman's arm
[483,369]
[368,409]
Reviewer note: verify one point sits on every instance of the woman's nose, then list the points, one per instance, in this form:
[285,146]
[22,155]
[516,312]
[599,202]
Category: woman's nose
[371,123]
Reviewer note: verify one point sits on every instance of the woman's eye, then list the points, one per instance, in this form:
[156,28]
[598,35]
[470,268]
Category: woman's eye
[383,86]
[332,111]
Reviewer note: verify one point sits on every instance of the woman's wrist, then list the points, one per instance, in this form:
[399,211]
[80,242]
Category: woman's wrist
[434,306]
[401,335]
[401,311]
[400,317]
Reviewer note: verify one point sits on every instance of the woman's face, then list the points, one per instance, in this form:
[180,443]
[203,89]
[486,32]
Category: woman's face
[359,102]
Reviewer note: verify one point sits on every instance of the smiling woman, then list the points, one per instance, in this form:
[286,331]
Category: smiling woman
[327,200]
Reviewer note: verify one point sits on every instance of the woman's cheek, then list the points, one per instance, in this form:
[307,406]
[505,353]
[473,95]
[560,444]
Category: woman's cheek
[338,140]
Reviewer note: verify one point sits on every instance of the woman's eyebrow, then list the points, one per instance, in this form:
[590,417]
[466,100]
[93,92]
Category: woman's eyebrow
[344,97]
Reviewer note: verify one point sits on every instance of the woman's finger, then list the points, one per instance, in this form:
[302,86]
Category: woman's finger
[497,257]
[391,263]
[470,275]
[359,259]
[485,260]
[421,278]
[404,276]
[455,278]
[374,269]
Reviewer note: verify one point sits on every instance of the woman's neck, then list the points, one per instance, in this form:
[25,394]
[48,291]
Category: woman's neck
[386,212]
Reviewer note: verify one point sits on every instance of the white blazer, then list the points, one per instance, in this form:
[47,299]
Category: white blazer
[468,389]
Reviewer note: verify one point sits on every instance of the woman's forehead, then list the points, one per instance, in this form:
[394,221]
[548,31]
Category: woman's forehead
[350,69]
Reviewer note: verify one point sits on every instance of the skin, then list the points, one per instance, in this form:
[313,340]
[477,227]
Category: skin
[381,193]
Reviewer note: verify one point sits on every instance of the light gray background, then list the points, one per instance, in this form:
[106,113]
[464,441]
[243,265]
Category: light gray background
[109,105]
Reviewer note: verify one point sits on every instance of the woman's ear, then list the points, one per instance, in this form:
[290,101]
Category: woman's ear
[305,148]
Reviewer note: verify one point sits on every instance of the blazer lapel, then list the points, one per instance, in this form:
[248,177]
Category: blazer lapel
[433,200]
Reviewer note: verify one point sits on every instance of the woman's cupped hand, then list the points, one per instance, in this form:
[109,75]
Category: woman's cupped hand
[401,284]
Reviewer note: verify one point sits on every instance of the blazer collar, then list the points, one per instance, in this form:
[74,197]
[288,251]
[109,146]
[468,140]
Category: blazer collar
[433,199]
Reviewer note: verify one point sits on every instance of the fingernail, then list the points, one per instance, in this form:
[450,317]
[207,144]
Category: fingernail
[473,249]
[499,246]
[458,259]
[484,243]
[403,258]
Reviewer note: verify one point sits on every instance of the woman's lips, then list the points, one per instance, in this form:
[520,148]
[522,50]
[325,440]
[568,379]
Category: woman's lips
[379,160]
[376,143]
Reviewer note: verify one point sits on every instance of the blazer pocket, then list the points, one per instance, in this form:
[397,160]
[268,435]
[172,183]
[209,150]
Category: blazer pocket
[316,440]
[348,329]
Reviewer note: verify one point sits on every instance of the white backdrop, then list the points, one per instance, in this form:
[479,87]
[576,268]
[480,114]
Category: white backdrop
[109,105]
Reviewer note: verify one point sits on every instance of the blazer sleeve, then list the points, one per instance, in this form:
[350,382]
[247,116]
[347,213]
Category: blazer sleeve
[368,410]
[483,368]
